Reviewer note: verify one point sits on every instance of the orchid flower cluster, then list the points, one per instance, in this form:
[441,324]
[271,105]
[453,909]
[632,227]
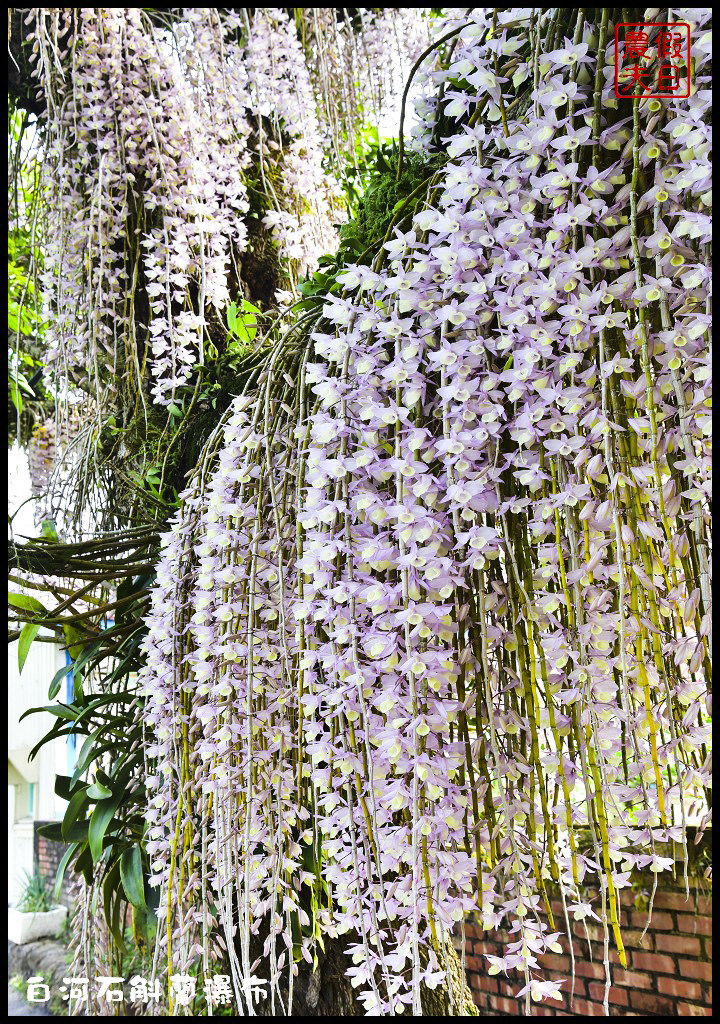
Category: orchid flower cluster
[41,456]
[360,69]
[153,128]
[431,632]
[280,83]
[138,201]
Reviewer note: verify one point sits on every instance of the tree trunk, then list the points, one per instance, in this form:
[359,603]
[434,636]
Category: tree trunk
[327,992]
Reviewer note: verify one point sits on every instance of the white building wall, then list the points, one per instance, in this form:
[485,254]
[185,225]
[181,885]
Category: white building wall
[31,784]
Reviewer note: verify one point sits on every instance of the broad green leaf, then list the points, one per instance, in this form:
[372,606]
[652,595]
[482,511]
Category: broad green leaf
[56,683]
[27,603]
[90,751]
[116,926]
[110,890]
[78,832]
[59,710]
[84,864]
[27,635]
[15,396]
[99,792]
[48,530]
[144,925]
[232,316]
[132,876]
[66,858]
[75,810]
[99,821]
[74,641]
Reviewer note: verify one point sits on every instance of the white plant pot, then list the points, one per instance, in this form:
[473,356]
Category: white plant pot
[26,927]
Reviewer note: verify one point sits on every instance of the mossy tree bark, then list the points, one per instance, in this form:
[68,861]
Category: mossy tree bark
[327,992]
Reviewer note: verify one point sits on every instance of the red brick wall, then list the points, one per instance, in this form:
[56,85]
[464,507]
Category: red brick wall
[669,972]
[48,855]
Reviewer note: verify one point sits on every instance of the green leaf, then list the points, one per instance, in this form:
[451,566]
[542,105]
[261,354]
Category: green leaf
[59,710]
[77,807]
[89,751]
[99,792]
[15,396]
[116,927]
[64,786]
[78,832]
[27,603]
[27,635]
[132,876]
[48,530]
[84,864]
[74,641]
[66,858]
[144,925]
[56,683]
[99,821]
[109,891]
[232,316]
[244,327]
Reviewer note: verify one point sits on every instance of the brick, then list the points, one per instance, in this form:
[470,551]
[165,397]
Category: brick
[653,962]
[580,990]
[616,995]
[484,947]
[677,987]
[651,1003]
[678,944]
[509,1006]
[673,901]
[582,1007]
[594,931]
[588,969]
[661,921]
[632,979]
[704,906]
[632,939]
[551,1004]
[555,962]
[694,925]
[484,984]
[695,969]
[690,1010]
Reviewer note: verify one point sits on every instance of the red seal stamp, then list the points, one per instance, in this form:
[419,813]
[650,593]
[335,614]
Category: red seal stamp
[652,59]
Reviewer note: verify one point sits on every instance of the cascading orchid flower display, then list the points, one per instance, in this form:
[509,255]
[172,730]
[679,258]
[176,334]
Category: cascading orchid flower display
[441,608]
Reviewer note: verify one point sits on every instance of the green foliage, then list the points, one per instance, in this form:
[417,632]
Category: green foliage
[242,325]
[28,398]
[36,895]
[378,198]
[383,197]
[105,818]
